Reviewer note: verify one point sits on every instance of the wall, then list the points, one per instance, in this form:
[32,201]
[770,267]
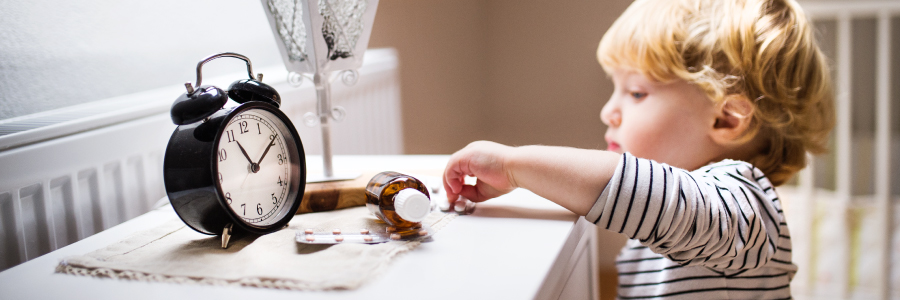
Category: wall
[61,53]
[516,72]
[545,85]
[442,47]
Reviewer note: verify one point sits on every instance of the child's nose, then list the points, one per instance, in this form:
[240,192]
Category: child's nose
[610,115]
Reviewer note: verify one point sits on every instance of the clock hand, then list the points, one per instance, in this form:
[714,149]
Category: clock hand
[267,149]
[254,167]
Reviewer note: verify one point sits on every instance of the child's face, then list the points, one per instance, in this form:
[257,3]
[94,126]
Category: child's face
[666,122]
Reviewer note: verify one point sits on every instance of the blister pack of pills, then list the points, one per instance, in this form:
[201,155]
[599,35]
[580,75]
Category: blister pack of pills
[362,236]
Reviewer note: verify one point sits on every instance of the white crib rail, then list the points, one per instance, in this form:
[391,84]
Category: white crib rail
[843,13]
[882,146]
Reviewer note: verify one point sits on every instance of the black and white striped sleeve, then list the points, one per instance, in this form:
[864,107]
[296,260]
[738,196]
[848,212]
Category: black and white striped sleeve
[725,215]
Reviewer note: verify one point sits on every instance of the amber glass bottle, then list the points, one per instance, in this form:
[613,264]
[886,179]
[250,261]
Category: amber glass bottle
[399,200]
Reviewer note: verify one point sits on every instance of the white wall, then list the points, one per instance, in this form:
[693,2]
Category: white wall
[60,53]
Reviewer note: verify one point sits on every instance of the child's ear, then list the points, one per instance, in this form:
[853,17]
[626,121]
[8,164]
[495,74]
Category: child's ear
[733,117]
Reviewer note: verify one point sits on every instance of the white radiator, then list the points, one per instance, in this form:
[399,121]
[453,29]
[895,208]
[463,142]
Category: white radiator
[67,174]
[842,211]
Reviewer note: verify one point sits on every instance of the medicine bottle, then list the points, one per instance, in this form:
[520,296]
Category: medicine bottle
[399,200]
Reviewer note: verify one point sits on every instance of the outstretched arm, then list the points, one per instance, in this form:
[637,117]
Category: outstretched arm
[725,215]
[572,178]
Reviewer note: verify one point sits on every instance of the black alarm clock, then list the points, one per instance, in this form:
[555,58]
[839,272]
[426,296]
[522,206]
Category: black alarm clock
[240,168]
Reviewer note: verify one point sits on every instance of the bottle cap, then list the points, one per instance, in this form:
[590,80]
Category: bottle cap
[412,205]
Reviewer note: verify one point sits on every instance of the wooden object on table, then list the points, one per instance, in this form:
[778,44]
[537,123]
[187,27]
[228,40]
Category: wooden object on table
[332,195]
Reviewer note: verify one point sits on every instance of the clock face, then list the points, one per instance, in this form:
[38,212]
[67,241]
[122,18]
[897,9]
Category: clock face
[254,162]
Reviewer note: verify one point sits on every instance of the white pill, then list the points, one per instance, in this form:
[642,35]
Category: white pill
[460,205]
[310,238]
[336,231]
[395,236]
[443,205]
[364,231]
[339,238]
[308,231]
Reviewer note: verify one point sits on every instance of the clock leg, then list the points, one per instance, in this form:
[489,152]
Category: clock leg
[226,235]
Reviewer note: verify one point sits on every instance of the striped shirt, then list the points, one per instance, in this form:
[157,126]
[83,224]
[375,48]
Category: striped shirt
[714,233]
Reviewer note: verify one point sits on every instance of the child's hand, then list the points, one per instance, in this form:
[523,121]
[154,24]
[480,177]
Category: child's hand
[485,161]
[567,176]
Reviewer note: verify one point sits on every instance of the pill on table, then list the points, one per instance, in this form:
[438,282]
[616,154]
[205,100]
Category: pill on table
[395,236]
[443,205]
[310,238]
[336,231]
[308,231]
[364,231]
[460,206]
[367,238]
[423,232]
[339,238]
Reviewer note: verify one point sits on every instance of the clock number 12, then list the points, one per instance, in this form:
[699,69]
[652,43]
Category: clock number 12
[244,127]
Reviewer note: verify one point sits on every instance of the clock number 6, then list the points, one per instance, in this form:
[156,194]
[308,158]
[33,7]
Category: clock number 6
[259,208]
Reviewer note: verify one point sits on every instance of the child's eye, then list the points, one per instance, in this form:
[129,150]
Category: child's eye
[638,96]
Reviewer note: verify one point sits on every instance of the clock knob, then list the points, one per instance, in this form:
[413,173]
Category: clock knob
[194,106]
[246,90]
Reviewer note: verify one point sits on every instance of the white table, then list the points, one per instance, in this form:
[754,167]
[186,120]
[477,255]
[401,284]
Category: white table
[519,246]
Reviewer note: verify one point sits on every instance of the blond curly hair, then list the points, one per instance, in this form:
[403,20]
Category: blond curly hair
[764,50]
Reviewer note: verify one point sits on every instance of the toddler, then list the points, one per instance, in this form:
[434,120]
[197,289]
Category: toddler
[716,102]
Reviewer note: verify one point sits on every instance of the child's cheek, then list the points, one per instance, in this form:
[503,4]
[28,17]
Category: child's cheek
[646,137]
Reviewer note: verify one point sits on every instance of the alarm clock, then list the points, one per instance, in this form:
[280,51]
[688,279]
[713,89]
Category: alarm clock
[236,168]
